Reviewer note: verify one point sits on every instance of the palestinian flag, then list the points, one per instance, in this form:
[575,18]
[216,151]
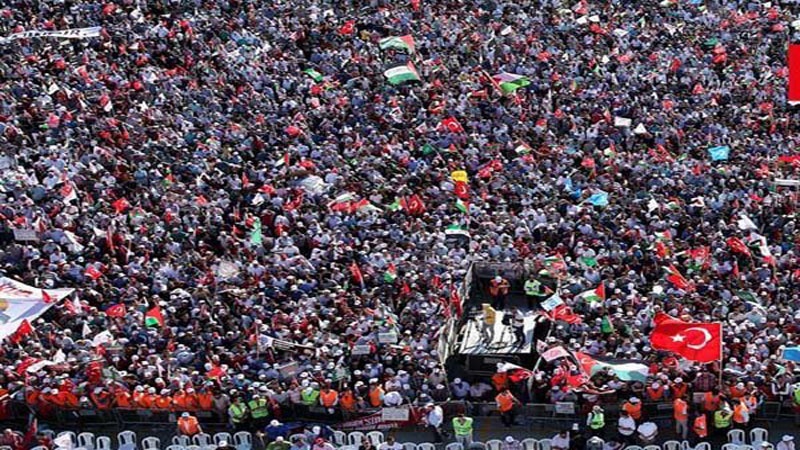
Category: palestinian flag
[626,370]
[594,295]
[462,206]
[316,76]
[395,206]
[405,43]
[555,266]
[391,274]
[510,82]
[401,74]
[154,318]
[700,258]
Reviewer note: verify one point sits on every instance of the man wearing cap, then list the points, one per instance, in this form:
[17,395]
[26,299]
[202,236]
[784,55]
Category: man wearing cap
[534,291]
[596,421]
[509,443]
[460,389]
[259,410]
[434,417]
[188,425]
[722,419]
[506,404]
[680,412]
[462,428]
[279,444]
[786,443]
[498,290]
[634,408]
[237,413]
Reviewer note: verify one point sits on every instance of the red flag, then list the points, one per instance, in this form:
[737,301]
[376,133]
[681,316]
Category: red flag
[451,124]
[455,301]
[348,27]
[461,190]
[564,312]
[701,342]
[117,310]
[23,330]
[738,246]
[120,205]
[355,271]
[93,273]
[46,297]
[675,277]
[794,73]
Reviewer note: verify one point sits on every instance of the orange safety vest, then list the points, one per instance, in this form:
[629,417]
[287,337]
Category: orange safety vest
[655,394]
[188,426]
[205,401]
[123,399]
[137,399]
[348,401]
[710,402]
[699,427]
[375,396]
[328,398]
[740,413]
[681,410]
[496,288]
[679,390]
[101,400]
[32,397]
[635,411]
[736,392]
[163,402]
[505,402]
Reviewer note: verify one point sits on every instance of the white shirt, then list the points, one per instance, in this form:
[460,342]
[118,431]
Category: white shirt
[387,446]
[560,442]
[436,416]
[392,398]
[785,445]
[626,426]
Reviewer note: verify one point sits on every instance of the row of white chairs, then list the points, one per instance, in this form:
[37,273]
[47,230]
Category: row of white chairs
[127,440]
[355,438]
[671,445]
[757,436]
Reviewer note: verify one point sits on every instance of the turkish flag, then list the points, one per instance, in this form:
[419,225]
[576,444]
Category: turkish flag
[701,342]
[738,246]
[794,73]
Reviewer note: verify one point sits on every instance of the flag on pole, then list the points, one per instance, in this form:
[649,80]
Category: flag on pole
[599,198]
[462,206]
[791,354]
[401,74]
[515,373]
[391,273]
[794,73]
[255,235]
[355,271]
[451,124]
[701,342]
[510,82]
[316,76]
[675,277]
[738,246]
[405,43]
[594,295]
[154,318]
[719,153]
[117,310]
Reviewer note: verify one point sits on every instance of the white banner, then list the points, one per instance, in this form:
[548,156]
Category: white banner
[74,33]
[18,301]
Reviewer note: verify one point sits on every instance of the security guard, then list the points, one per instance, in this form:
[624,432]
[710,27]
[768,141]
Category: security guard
[722,419]
[534,291]
[237,413]
[310,395]
[259,411]
[462,428]
[596,421]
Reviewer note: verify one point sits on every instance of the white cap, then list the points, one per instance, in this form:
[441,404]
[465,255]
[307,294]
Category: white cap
[457,381]
[509,439]
[223,443]
[633,400]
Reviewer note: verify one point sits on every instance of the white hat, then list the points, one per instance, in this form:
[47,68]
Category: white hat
[186,414]
[274,423]
[787,438]
[457,381]
[633,400]
[279,439]
[509,439]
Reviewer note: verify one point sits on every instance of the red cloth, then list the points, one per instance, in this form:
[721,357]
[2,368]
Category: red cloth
[701,342]
[794,73]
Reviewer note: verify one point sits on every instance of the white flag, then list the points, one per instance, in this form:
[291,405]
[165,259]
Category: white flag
[103,338]
[745,223]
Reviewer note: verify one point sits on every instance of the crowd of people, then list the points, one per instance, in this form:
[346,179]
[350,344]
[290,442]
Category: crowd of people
[245,175]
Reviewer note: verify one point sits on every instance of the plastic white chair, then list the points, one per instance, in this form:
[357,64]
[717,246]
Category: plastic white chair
[671,445]
[758,435]
[102,443]
[355,438]
[494,444]
[339,438]
[243,440]
[348,447]
[193,447]
[730,446]
[530,444]
[39,447]
[126,440]
[750,447]
[86,439]
[409,446]
[736,437]
[151,443]
[544,444]
[181,440]
[686,446]
[80,448]
[223,436]
[633,447]
[202,440]
[702,446]
[175,447]
[376,437]
[450,446]
[72,437]
[652,447]
[426,446]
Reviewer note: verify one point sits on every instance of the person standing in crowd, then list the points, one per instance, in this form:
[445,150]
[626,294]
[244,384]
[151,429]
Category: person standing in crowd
[535,291]
[741,414]
[722,420]
[507,404]
[434,418]
[634,408]
[700,428]
[518,327]
[786,443]
[259,411]
[626,427]
[462,429]
[488,319]
[596,421]
[188,425]
[237,414]
[498,290]
[680,412]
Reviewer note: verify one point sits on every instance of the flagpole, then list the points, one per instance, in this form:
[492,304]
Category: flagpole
[721,357]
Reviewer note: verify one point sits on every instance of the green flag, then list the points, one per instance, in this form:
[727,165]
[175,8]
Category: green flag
[255,235]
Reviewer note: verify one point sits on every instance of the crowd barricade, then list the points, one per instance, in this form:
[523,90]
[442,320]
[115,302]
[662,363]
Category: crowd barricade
[530,414]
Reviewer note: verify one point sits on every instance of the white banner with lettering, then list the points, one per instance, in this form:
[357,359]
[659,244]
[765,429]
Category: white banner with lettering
[74,33]
[18,302]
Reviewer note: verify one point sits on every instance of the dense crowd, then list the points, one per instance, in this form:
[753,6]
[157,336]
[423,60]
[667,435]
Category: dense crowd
[246,170]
